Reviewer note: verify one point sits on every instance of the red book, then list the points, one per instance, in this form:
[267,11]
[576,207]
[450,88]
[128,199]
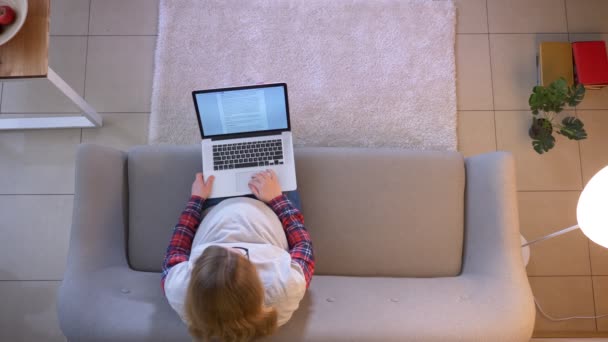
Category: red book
[591,62]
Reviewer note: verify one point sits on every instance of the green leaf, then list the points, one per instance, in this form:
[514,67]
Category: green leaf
[576,94]
[560,86]
[541,134]
[573,129]
[533,99]
[538,89]
[544,145]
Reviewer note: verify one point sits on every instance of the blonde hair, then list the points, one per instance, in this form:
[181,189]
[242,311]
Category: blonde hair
[225,299]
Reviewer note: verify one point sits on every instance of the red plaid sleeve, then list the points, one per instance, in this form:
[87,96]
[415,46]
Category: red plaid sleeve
[298,239]
[183,234]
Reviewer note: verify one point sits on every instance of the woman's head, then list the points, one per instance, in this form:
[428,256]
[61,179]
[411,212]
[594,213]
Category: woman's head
[225,298]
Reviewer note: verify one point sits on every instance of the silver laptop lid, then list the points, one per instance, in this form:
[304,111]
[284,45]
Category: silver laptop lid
[238,112]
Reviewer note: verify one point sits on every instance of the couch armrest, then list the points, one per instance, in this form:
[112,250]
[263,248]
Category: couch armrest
[492,243]
[101,298]
[97,238]
[492,247]
[100,218]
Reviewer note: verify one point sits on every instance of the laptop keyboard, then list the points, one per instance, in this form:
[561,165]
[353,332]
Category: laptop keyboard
[248,154]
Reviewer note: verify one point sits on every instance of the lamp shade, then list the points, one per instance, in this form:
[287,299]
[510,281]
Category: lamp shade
[592,208]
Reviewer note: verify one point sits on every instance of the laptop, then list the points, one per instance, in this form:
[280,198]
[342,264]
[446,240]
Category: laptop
[245,130]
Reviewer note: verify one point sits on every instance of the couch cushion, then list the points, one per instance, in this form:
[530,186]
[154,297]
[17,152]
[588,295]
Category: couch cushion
[370,212]
[160,179]
[383,212]
[466,308]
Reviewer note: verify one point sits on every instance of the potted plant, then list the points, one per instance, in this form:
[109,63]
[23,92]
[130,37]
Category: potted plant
[548,101]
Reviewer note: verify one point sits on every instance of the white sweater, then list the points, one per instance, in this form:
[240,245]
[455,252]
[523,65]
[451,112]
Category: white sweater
[245,222]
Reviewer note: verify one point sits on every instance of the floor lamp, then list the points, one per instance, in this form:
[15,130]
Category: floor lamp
[591,212]
[592,218]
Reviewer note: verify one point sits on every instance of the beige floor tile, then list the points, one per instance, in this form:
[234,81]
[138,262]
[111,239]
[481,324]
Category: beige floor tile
[543,213]
[594,149]
[473,74]
[587,15]
[525,16]
[558,169]
[119,17]
[514,71]
[564,297]
[600,290]
[120,72]
[67,57]
[38,236]
[29,311]
[472,16]
[69,17]
[476,132]
[38,161]
[599,259]
[119,131]
[594,99]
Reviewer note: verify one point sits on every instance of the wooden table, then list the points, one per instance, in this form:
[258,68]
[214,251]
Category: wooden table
[26,56]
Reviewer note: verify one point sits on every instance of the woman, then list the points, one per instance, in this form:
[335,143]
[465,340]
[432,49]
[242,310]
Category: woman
[244,271]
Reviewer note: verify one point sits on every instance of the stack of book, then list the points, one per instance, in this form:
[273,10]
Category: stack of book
[591,64]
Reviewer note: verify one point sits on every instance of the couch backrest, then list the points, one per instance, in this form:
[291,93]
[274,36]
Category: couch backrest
[383,212]
[370,212]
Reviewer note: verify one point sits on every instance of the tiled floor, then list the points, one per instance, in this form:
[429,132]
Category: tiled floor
[105,50]
[496,51]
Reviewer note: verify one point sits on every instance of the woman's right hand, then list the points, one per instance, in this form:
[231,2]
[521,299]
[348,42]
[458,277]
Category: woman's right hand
[265,185]
[200,187]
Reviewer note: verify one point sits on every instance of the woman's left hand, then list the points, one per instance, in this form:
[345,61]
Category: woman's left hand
[265,185]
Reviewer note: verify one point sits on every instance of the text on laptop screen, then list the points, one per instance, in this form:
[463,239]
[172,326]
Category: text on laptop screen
[245,110]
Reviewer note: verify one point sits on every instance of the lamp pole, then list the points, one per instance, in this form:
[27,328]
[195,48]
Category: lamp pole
[552,235]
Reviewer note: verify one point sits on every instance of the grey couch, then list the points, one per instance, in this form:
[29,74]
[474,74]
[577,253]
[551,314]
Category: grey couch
[410,246]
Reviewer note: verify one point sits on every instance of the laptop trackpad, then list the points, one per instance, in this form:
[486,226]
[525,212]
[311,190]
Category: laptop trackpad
[242,181]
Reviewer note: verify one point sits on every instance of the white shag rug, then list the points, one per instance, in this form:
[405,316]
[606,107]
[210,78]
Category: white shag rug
[359,72]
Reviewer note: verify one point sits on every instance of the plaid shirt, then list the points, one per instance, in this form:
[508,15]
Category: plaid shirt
[298,239]
[183,234]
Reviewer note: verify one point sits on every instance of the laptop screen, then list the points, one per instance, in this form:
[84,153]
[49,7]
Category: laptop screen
[242,110]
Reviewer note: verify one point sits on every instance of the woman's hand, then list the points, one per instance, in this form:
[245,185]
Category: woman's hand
[202,188]
[265,185]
